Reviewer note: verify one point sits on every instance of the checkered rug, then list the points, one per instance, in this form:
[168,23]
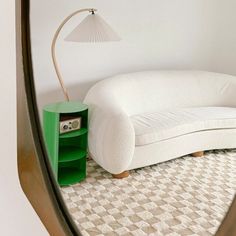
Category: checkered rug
[185,196]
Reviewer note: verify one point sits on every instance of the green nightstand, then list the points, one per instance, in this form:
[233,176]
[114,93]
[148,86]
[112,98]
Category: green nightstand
[67,151]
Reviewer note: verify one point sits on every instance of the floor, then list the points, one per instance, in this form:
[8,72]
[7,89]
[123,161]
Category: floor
[185,196]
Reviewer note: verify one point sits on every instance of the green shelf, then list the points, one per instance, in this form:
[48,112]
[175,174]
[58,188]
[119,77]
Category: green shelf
[70,175]
[71,153]
[74,133]
[67,152]
[66,107]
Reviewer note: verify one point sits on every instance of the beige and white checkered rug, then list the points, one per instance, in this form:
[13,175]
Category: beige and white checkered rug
[186,196]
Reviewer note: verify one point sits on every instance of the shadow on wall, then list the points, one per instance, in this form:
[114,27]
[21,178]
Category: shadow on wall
[76,92]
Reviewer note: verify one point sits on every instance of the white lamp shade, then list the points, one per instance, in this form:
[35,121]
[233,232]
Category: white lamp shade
[93,29]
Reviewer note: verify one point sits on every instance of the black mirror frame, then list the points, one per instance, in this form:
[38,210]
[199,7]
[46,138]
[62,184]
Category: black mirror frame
[35,174]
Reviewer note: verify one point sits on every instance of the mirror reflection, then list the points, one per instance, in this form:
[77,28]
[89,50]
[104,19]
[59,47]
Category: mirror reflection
[138,112]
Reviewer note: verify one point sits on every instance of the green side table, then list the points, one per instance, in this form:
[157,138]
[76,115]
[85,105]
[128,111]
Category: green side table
[67,151]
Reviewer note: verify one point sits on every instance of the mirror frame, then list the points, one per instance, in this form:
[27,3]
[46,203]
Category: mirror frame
[35,173]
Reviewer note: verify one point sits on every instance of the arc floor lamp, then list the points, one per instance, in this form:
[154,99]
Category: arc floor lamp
[92,29]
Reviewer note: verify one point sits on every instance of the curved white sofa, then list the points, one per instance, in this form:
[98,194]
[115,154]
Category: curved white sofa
[148,117]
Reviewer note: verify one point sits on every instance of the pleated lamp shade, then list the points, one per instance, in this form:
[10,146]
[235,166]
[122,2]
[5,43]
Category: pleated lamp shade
[93,29]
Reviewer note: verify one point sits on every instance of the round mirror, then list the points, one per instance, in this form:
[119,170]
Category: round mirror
[131,132]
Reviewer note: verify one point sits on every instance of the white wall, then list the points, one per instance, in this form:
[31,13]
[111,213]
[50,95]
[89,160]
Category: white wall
[157,34]
[17,217]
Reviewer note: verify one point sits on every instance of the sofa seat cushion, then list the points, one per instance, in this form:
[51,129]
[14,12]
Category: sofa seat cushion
[167,124]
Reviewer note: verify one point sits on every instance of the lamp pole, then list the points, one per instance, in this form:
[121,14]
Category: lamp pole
[53,46]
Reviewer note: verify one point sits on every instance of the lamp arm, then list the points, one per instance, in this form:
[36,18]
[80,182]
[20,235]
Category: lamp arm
[53,46]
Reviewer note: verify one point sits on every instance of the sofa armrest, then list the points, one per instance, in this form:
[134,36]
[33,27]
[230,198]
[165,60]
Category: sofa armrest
[111,137]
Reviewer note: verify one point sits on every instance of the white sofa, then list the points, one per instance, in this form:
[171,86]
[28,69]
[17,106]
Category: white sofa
[148,117]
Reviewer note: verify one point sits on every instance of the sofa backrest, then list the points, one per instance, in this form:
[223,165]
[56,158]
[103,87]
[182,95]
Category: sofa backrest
[150,91]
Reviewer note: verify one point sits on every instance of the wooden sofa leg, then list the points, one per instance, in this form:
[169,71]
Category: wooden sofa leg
[121,175]
[198,154]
